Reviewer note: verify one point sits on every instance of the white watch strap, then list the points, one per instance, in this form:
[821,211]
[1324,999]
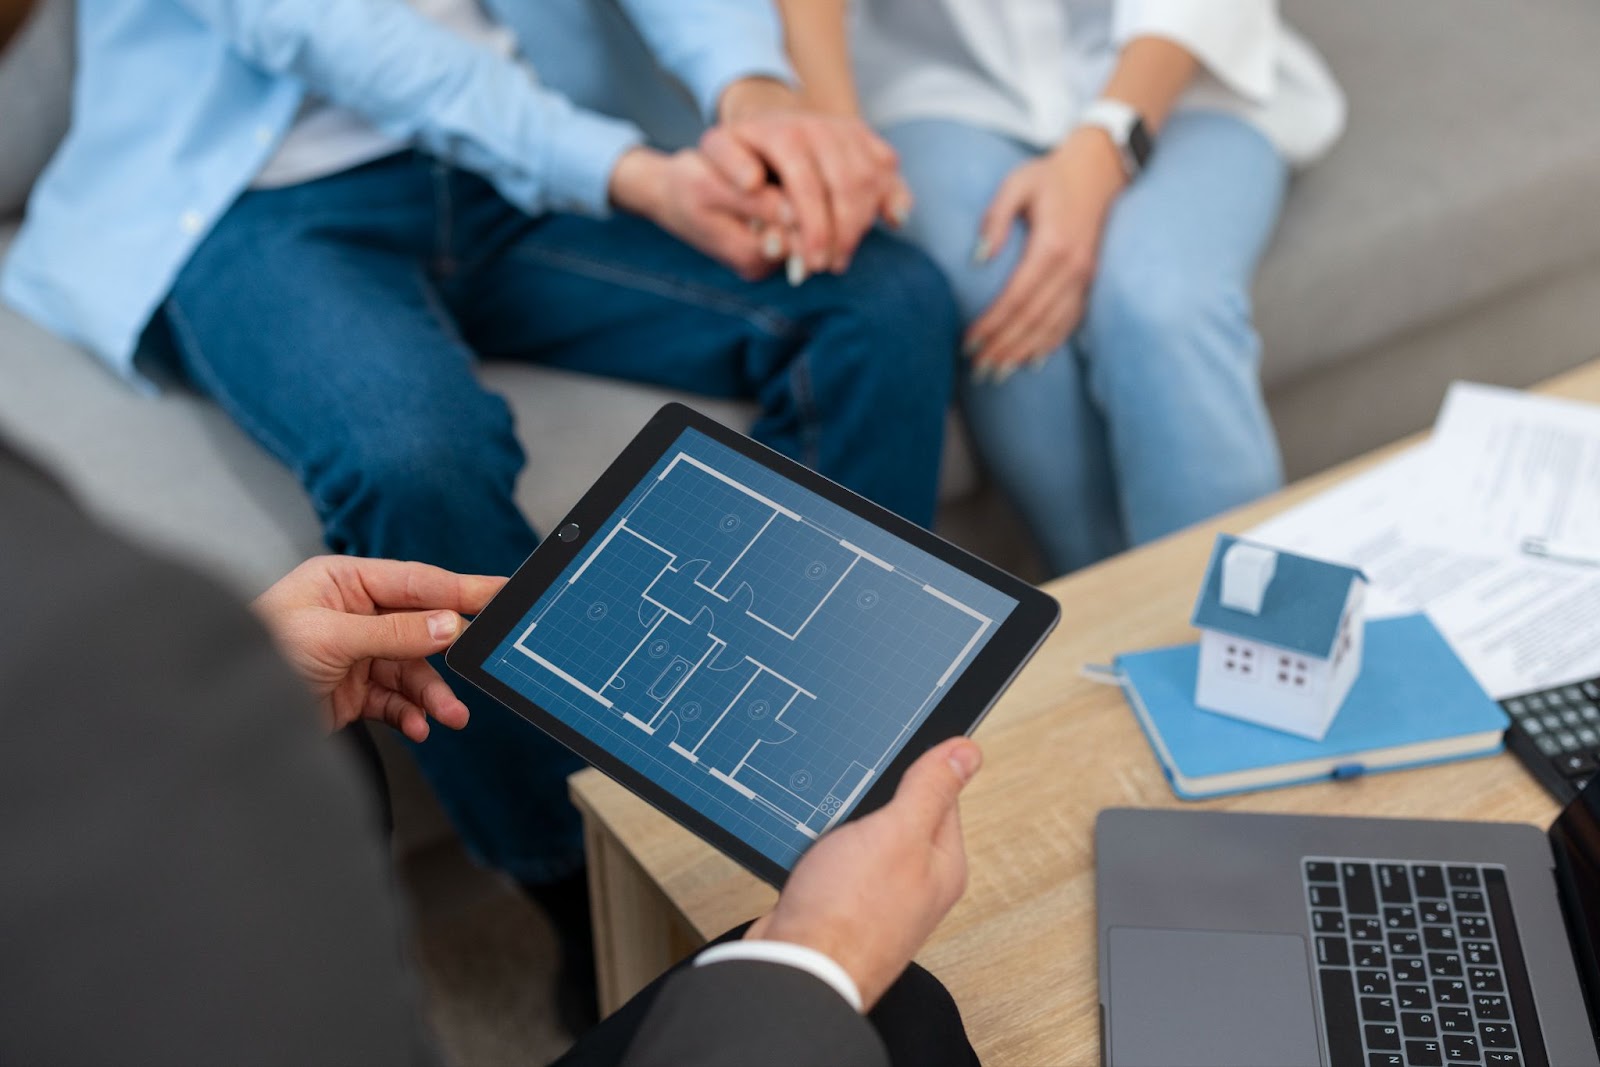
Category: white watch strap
[789,955]
[1113,116]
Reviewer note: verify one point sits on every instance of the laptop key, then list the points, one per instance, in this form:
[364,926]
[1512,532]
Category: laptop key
[1496,1035]
[1450,991]
[1373,983]
[1321,871]
[1407,969]
[1480,953]
[1400,917]
[1444,964]
[1455,1020]
[1383,1037]
[1469,900]
[1413,997]
[1325,896]
[1440,939]
[1435,913]
[1485,980]
[1405,942]
[1327,922]
[1423,1054]
[1339,1015]
[1369,955]
[1385,1059]
[1428,879]
[1464,877]
[1491,1006]
[1475,926]
[1394,886]
[1459,1047]
[1377,1009]
[1360,897]
[1417,1024]
[1333,952]
[1372,930]
[1502,1059]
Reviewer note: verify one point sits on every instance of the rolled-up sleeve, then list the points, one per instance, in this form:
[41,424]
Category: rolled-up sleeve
[1236,40]
[710,44]
[419,82]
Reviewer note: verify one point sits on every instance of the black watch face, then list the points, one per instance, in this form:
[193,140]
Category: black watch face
[1139,143]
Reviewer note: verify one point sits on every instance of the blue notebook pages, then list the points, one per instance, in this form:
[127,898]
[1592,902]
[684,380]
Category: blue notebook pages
[1414,703]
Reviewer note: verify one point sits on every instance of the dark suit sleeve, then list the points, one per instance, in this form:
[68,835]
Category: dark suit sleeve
[190,869]
[748,1014]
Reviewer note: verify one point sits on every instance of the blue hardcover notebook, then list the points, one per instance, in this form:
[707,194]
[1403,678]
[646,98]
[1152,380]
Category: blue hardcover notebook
[1414,703]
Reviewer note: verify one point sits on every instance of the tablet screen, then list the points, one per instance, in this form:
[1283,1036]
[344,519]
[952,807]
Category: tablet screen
[756,650]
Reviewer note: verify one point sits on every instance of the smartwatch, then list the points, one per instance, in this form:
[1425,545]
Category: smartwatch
[1127,129]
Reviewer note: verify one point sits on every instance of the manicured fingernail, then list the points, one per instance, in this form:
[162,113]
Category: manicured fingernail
[443,625]
[797,269]
[900,214]
[1037,362]
[965,760]
[981,251]
[772,245]
[1005,373]
[971,347]
[786,213]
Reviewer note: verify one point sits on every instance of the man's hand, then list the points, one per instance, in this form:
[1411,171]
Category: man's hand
[871,892]
[686,196]
[359,631]
[1065,197]
[838,176]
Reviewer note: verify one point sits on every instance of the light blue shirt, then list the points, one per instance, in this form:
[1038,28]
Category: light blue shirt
[178,103]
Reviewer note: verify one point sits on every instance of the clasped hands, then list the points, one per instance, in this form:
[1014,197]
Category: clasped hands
[776,181]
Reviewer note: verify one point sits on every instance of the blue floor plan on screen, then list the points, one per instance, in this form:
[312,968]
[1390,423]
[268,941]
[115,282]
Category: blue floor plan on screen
[757,650]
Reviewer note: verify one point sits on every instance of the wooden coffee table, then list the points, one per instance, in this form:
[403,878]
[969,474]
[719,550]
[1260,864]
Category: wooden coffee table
[1018,952]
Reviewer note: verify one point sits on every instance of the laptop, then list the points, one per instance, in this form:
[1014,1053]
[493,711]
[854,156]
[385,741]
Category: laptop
[1237,940]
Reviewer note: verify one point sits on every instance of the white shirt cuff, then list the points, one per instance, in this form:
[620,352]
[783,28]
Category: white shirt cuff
[798,956]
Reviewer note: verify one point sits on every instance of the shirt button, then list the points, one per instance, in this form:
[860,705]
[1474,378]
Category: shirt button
[191,222]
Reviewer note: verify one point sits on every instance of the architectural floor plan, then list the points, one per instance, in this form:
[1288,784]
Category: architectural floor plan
[730,636]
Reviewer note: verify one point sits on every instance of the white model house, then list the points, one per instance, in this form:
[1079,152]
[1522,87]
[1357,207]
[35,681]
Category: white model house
[1281,636]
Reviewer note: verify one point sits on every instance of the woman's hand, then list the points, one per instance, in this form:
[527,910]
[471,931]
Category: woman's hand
[1065,198]
[359,631]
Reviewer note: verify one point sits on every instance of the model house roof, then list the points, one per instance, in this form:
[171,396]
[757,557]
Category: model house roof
[1301,610]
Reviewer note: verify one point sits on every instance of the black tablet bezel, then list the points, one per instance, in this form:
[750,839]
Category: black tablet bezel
[962,709]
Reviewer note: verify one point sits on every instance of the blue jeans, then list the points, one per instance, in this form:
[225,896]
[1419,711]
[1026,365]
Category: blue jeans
[1151,416]
[338,322]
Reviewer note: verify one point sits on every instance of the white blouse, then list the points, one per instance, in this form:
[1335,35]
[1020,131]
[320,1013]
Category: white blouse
[1028,68]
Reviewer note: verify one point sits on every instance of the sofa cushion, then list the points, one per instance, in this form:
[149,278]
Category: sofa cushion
[35,99]
[1470,169]
[174,470]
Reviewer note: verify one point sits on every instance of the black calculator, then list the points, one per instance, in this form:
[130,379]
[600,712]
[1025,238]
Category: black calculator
[1556,734]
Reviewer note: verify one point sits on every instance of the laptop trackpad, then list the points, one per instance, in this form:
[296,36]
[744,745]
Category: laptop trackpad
[1201,998]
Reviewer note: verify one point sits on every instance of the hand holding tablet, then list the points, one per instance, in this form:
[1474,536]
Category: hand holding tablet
[751,648]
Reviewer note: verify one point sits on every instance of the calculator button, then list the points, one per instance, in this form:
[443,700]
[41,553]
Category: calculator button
[1572,692]
[1575,764]
[1531,726]
[1569,741]
[1554,697]
[1548,745]
[1515,707]
[1587,735]
[1536,701]
[1589,713]
[1591,690]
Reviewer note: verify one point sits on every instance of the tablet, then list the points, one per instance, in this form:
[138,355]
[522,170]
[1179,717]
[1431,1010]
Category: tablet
[751,648]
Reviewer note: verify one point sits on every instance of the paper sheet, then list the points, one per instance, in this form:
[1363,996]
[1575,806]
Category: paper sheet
[1518,623]
[1504,467]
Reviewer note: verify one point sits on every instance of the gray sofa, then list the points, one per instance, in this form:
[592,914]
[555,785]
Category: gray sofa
[1453,233]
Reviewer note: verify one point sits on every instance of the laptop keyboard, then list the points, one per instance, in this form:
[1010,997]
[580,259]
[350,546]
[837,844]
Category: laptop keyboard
[1418,965]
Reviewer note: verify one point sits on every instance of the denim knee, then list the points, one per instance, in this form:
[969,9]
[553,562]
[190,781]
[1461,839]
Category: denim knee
[1144,325]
